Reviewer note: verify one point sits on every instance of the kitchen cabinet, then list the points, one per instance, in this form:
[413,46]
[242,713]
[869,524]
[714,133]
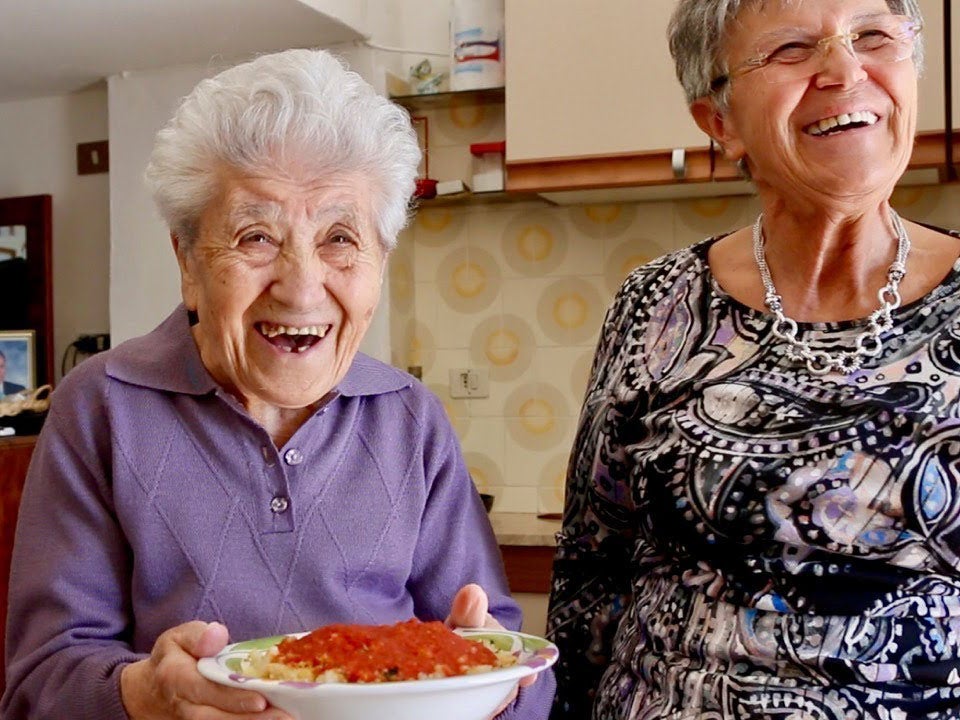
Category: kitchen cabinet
[587,79]
[930,116]
[527,545]
[15,453]
[930,146]
[592,97]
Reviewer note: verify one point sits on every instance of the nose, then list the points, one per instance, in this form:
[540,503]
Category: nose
[839,67]
[300,282]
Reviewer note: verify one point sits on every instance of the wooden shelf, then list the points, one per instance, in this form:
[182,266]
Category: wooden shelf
[435,101]
[480,198]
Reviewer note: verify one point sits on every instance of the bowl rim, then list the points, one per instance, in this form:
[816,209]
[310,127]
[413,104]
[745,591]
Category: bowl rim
[214,668]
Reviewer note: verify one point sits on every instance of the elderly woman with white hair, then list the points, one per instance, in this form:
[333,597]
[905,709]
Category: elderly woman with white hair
[243,467]
[764,496]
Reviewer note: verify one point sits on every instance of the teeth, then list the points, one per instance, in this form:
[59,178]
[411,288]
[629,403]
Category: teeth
[827,124]
[858,116]
[271,331]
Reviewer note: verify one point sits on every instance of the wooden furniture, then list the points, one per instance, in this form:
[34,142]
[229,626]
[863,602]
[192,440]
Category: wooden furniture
[527,544]
[15,453]
[34,310]
[528,567]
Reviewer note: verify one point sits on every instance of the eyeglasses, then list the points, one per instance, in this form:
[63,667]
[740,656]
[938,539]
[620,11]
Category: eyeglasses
[797,55]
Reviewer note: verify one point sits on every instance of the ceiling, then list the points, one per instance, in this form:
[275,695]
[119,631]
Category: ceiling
[53,47]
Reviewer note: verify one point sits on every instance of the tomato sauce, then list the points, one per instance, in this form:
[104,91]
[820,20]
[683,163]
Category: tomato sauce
[377,653]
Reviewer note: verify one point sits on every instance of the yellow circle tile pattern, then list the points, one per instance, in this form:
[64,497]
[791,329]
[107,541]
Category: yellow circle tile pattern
[469,279]
[467,122]
[580,375]
[542,415]
[436,227]
[484,471]
[603,221]
[505,344]
[401,285]
[502,347]
[570,311]
[418,347]
[534,243]
[713,216]
[553,479]
[917,202]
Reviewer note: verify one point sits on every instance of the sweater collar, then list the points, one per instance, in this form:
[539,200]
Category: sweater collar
[167,359]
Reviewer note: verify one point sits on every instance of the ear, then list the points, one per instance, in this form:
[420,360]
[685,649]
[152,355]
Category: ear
[719,125]
[189,289]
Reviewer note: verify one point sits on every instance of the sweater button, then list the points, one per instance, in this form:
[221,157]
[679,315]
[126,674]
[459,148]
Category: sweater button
[279,504]
[293,457]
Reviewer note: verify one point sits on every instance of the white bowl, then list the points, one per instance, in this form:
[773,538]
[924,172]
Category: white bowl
[464,697]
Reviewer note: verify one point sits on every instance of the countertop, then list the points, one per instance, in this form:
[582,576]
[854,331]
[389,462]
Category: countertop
[524,529]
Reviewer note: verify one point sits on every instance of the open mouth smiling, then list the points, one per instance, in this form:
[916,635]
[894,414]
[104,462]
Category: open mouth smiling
[841,123]
[292,339]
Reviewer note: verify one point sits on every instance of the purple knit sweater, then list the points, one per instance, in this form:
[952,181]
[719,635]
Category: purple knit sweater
[153,498]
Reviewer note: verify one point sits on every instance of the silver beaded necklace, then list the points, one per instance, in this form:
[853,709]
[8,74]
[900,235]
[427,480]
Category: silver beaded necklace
[869,343]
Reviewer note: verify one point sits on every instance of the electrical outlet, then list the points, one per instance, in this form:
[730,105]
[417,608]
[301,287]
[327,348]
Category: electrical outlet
[469,383]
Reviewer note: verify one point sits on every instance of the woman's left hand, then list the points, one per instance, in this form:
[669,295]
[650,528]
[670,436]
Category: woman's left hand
[469,609]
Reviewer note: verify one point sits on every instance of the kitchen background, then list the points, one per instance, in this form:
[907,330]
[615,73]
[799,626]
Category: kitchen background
[519,290]
[516,288]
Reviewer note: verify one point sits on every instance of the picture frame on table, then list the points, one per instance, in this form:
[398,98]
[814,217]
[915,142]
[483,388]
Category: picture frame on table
[18,361]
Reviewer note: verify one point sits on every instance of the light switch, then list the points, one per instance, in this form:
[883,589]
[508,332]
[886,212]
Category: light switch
[469,383]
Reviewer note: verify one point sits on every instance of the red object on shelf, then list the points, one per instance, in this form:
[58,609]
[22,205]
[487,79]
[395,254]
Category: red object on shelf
[426,188]
[479,149]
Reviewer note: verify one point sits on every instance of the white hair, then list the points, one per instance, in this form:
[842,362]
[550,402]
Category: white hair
[300,107]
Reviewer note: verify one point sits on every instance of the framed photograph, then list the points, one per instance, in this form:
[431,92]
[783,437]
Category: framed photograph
[18,361]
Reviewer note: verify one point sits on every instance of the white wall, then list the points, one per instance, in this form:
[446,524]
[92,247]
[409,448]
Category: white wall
[39,156]
[144,278]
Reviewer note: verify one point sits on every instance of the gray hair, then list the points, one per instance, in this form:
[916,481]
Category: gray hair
[698,31]
[295,106]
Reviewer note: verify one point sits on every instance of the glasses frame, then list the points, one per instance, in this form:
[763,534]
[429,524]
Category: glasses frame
[913,28]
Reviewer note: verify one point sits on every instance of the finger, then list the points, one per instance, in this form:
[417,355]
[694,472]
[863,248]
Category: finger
[469,607]
[196,638]
[212,640]
[175,658]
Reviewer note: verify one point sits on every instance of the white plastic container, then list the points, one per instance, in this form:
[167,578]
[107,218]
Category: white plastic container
[487,166]
[476,39]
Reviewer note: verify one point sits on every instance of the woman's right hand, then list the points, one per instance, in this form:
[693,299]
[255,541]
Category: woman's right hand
[167,685]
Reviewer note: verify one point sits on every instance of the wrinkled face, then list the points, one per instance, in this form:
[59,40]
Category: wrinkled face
[285,276]
[868,108]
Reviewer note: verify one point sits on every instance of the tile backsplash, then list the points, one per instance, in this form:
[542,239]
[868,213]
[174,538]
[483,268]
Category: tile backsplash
[520,289]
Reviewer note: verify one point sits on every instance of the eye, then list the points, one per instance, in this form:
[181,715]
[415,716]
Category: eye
[342,239]
[255,238]
[871,39]
[789,53]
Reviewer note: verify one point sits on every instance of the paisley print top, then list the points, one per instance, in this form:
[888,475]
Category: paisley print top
[746,540]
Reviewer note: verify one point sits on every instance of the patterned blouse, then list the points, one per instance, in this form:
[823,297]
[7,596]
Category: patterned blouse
[746,540]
